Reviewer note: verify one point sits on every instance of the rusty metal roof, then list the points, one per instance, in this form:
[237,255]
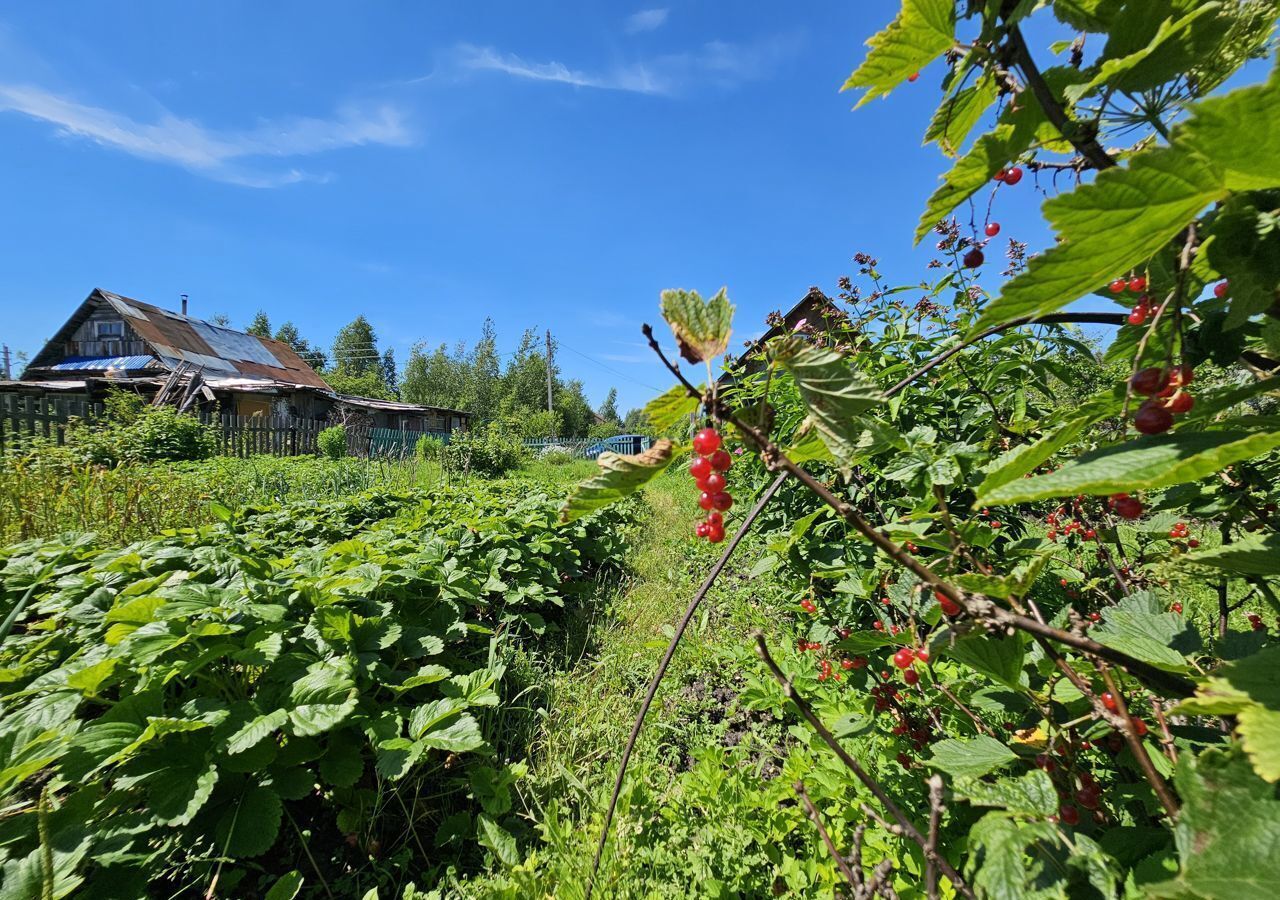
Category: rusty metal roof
[176,338]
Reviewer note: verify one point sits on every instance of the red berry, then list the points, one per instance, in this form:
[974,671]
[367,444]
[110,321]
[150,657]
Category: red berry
[1138,316]
[700,468]
[923,655]
[1220,289]
[1091,535]
[949,606]
[992,229]
[706,441]
[1137,284]
[1087,797]
[1109,701]
[1127,507]
[1153,419]
[1013,176]
[715,517]
[913,76]
[716,533]
[704,500]
[1181,402]
[1002,175]
[720,460]
[713,483]
[859,662]
[846,664]
[903,658]
[1193,544]
[911,676]
[1140,727]
[973,258]
[722,501]
[702,529]
[995,524]
[1069,815]
[878,625]
[1149,381]
[1045,761]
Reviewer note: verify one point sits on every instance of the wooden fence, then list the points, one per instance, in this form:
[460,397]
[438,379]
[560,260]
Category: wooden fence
[25,416]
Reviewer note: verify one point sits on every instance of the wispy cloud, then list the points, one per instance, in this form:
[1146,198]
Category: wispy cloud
[220,155]
[718,63]
[646,20]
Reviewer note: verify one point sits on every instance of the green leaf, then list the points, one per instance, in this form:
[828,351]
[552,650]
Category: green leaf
[1005,857]
[1167,54]
[499,840]
[257,729]
[322,698]
[999,657]
[1259,729]
[832,392]
[922,31]
[1139,626]
[619,476]
[668,410]
[397,756]
[179,790]
[286,886]
[343,760]
[970,757]
[957,114]
[1239,133]
[460,736]
[1022,460]
[1108,226]
[1030,794]
[1142,464]
[1228,832]
[701,327]
[249,828]
[1252,554]
[89,679]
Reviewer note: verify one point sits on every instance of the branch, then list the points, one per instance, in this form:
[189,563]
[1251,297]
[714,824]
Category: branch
[666,662]
[1139,750]
[908,828]
[855,882]
[1086,145]
[935,819]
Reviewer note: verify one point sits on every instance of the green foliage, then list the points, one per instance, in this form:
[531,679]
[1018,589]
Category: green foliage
[332,442]
[490,450]
[140,435]
[701,327]
[365,384]
[620,476]
[183,699]
[429,447]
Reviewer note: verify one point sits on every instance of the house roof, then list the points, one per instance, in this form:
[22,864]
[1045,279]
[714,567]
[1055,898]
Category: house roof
[393,406]
[175,339]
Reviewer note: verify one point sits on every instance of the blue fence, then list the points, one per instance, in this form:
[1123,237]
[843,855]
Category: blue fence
[589,448]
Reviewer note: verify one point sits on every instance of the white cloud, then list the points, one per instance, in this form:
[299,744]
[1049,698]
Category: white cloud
[718,63]
[646,20]
[636,79]
[214,154]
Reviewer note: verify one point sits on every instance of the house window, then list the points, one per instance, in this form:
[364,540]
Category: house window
[110,331]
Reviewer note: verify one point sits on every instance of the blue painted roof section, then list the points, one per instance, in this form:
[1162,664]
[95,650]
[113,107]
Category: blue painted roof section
[102,363]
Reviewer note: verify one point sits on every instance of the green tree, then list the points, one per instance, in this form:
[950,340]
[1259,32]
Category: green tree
[636,422]
[388,371]
[367,385]
[312,356]
[608,410]
[260,326]
[355,349]
[575,412]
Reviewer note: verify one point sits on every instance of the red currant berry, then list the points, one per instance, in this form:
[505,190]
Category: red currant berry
[1087,797]
[1069,815]
[913,76]
[1140,727]
[1138,316]
[700,468]
[859,662]
[1137,284]
[878,625]
[973,258]
[720,460]
[1181,402]
[714,483]
[911,676]
[1128,508]
[1193,544]
[702,529]
[716,533]
[722,501]
[1013,176]
[1182,376]
[1149,381]
[949,606]
[903,658]
[1153,419]
[992,229]
[1118,286]
[923,655]
[706,441]
[715,517]
[1109,701]
[1221,288]
[1002,175]
[705,500]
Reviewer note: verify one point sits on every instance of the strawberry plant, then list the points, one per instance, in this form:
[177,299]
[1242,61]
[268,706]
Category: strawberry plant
[1017,670]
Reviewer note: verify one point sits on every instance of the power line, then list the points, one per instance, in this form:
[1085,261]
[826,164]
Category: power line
[609,368]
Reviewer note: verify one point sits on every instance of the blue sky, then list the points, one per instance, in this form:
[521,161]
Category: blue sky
[547,164]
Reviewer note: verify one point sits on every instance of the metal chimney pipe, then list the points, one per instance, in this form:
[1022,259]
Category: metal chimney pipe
[184,304]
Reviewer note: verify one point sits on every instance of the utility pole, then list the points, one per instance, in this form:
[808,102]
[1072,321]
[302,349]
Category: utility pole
[550,406]
[7,375]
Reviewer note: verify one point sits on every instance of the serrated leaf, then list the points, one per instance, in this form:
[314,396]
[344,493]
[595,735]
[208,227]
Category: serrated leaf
[1239,132]
[397,756]
[1168,52]
[257,729]
[670,409]
[343,760]
[1030,794]
[832,392]
[702,327]
[999,657]
[322,698]
[286,886]
[1140,627]
[619,477]
[1259,729]
[970,757]
[460,736]
[922,31]
[1019,461]
[956,116]
[178,791]
[499,840]
[250,825]
[1142,464]
[1108,226]
[1252,554]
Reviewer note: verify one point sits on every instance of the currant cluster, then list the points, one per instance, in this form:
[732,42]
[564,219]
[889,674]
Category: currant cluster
[1179,531]
[1167,397]
[1061,522]
[708,469]
[905,660]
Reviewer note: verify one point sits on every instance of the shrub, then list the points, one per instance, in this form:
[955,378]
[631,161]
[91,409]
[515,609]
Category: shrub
[556,456]
[152,435]
[487,451]
[333,442]
[429,447]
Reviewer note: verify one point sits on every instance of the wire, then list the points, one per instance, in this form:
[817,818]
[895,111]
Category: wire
[609,368]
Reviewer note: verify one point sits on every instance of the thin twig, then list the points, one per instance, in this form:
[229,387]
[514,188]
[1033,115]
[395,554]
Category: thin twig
[905,824]
[935,820]
[666,661]
[1139,749]
[816,818]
